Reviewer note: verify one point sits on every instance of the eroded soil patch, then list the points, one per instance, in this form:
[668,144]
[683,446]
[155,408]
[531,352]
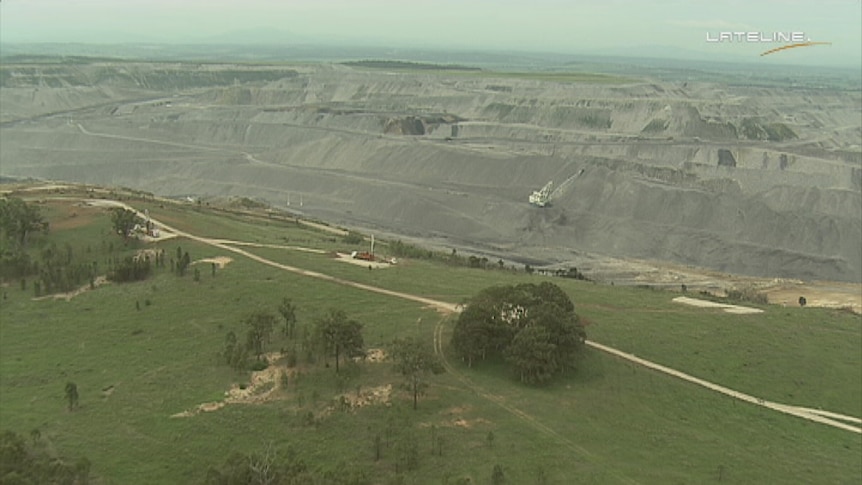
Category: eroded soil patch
[261,388]
[380,395]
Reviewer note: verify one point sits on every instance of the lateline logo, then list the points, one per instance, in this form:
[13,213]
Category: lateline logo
[789,40]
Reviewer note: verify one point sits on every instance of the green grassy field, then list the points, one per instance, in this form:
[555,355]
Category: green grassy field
[609,422]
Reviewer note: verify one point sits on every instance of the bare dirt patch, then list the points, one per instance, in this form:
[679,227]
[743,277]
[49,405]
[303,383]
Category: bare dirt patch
[817,294]
[220,261]
[345,258]
[740,310]
[161,235]
[373,356]
[264,385]
[454,417]
[146,254]
[380,395]
[780,291]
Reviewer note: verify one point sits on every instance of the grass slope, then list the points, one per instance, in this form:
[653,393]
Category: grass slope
[609,422]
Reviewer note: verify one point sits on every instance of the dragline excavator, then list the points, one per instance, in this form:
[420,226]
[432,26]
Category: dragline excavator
[544,196]
[541,197]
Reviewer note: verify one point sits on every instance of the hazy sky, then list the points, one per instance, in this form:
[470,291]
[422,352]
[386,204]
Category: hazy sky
[564,26]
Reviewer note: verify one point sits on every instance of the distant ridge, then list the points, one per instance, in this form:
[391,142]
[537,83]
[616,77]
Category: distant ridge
[383,64]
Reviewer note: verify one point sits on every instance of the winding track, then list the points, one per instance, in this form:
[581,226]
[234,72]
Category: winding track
[828,418]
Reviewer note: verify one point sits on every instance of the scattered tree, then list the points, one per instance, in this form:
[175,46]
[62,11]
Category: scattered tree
[130,269]
[72,395]
[377,447]
[802,301]
[497,475]
[541,476]
[407,453]
[288,311]
[234,354]
[260,326]
[415,361]
[339,336]
[268,467]
[183,263]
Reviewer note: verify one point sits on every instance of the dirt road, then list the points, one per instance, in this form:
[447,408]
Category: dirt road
[824,417]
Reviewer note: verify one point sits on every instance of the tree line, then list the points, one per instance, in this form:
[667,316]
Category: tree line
[401,249]
[18,222]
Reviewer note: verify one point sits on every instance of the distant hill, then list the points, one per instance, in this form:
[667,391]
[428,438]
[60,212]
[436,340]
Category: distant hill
[383,64]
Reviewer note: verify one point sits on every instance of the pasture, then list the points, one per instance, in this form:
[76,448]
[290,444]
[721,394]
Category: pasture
[141,352]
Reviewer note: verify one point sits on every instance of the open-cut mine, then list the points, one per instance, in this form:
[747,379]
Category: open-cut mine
[747,179]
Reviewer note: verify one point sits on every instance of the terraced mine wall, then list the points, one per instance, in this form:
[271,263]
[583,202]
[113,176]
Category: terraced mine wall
[750,180]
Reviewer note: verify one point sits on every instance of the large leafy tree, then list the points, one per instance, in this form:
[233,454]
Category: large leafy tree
[339,336]
[415,361]
[534,327]
[533,355]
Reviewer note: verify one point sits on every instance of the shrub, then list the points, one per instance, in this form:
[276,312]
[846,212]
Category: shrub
[749,295]
[352,238]
[291,359]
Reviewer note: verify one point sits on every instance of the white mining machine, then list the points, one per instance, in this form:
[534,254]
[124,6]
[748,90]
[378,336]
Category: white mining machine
[544,196]
[541,197]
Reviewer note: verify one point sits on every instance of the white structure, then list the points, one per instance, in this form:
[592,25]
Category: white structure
[540,197]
